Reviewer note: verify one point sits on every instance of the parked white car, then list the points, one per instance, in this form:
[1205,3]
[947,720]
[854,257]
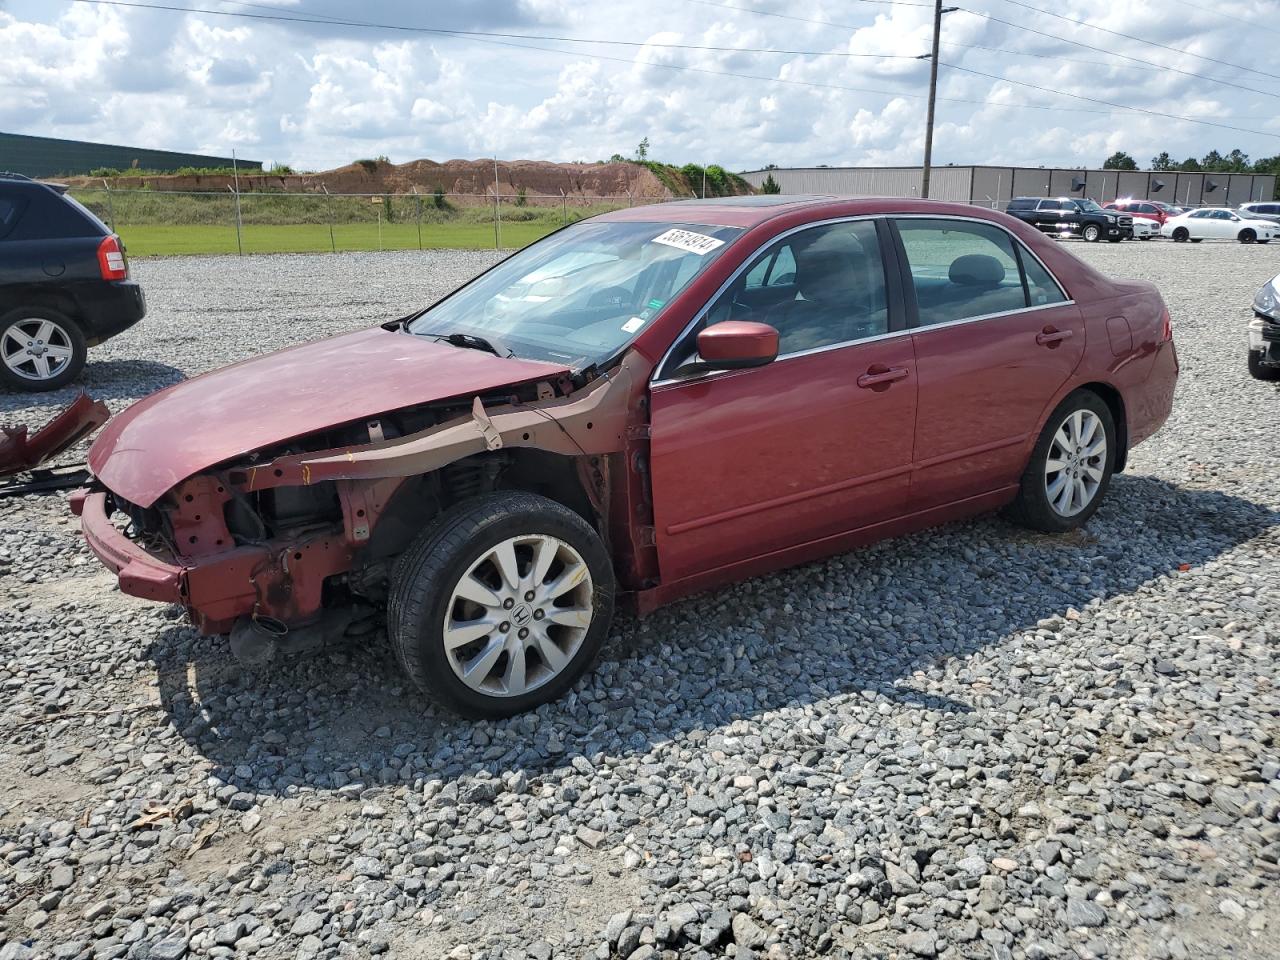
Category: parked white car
[1145,229]
[1219,223]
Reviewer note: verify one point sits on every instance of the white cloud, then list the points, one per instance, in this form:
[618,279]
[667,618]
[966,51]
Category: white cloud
[318,95]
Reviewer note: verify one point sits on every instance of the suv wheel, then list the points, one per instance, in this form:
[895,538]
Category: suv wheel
[40,349]
[1092,233]
[501,604]
[1070,467]
[1259,370]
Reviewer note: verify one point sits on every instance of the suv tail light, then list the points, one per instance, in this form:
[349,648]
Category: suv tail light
[111,259]
[1166,326]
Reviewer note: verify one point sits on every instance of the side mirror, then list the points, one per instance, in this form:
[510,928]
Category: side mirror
[735,344]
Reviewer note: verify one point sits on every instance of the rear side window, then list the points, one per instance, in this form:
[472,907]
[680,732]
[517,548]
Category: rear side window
[1022,203]
[49,216]
[1050,205]
[961,270]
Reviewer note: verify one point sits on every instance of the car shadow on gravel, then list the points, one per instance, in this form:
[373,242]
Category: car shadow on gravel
[867,625]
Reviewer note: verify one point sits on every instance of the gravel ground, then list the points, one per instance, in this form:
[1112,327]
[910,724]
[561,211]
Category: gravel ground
[974,742]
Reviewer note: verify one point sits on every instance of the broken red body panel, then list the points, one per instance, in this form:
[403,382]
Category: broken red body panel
[20,452]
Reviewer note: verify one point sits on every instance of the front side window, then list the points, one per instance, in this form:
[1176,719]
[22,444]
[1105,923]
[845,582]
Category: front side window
[582,294]
[961,270]
[824,286]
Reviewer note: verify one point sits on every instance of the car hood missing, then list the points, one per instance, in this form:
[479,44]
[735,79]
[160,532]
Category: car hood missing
[268,400]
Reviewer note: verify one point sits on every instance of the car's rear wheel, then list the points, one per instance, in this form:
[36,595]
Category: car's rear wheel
[1070,467]
[40,349]
[1092,233]
[1181,235]
[1248,236]
[1197,239]
[1262,371]
[501,604]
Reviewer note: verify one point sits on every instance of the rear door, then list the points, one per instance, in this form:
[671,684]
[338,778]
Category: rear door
[995,338]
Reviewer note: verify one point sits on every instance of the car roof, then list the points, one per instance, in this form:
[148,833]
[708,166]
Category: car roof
[747,212]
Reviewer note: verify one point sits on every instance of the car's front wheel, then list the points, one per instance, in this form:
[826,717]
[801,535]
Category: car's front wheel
[1092,233]
[1181,235]
[40,349]
[1070,467]
[501,604]
[1248,236]
[1262,371]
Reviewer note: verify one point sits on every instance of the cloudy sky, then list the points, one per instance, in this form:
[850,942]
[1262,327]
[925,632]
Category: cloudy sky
[316,95]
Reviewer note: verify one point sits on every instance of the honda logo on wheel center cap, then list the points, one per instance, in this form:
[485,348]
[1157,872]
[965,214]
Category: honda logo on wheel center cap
[521,615]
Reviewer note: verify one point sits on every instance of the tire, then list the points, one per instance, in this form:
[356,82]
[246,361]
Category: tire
[1092,232]
[1248,235]
[1035,506]
[1260,371]
[463,547]
[1264,241]
[1181,235]
[1197,239]
[57,337]
[1114,239]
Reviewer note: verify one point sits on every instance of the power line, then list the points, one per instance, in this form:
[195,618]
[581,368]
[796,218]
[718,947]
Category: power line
[1221,13]
[486,34]
[503,39]
[1129,36]
[475,36]
[1145,64]
[1108,103]
[1111,53]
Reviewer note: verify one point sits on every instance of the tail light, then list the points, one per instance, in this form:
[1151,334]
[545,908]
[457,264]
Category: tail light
[111,259]
[1166,326]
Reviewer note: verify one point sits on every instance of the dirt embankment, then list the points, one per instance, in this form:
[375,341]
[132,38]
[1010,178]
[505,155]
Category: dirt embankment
[476,177]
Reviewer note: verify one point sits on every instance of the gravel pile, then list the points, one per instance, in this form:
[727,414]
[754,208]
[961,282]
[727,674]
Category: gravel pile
[971,743]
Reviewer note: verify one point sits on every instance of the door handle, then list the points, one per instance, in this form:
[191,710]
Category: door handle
[1049,337]
[875,378]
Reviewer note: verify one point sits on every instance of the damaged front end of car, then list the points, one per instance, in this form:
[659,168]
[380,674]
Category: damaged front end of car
[288,547]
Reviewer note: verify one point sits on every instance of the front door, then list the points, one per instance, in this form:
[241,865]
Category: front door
[818,442]
[995,339]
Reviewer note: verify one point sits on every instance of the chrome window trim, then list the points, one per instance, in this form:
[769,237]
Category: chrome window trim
[702,378]
[741,268]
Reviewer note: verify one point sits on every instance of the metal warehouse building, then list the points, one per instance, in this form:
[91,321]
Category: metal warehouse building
[994,186]
[48,157]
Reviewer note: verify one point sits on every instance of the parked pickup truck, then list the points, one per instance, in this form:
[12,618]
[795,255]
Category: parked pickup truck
[1067,215]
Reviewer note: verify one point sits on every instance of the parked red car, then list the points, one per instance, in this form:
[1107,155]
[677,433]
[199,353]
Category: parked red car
[1151,209]
[649,403]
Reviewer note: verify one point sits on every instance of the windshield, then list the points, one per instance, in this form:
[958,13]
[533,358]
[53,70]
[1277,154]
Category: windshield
[582,294]
[1089,206]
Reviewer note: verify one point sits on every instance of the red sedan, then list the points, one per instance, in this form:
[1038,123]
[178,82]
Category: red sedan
[646,404]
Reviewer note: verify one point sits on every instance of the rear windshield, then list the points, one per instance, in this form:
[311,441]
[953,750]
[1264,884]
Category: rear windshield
[51,216]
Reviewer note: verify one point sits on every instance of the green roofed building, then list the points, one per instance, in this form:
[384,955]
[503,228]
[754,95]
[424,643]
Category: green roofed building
[49,157]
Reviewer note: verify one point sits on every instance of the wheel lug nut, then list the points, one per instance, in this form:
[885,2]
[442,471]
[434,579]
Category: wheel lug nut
[528,595]
[523,633]
[504,627]
[508,603]
[538,614]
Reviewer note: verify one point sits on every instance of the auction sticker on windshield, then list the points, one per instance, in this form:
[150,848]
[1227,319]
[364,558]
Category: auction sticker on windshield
[697,243]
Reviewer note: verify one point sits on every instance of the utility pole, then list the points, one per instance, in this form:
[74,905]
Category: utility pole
[938,11]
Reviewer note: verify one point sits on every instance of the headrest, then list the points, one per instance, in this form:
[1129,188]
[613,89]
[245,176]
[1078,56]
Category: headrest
[976,270]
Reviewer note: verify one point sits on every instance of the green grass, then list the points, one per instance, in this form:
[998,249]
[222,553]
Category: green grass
[147,240]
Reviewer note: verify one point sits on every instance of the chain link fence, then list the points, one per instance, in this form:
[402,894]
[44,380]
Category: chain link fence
[157,222]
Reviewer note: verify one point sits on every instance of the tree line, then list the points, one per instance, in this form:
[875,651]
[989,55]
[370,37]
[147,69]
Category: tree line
[1237,161]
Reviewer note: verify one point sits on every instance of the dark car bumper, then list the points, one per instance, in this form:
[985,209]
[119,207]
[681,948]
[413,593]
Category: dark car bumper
[107,309]
[1264,339]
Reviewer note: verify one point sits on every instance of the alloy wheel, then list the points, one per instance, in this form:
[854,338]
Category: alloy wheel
[518,615]
[1076,463]
[36,348]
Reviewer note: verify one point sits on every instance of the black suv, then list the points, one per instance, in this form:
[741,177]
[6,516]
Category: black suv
[64,284]
[1067,215]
